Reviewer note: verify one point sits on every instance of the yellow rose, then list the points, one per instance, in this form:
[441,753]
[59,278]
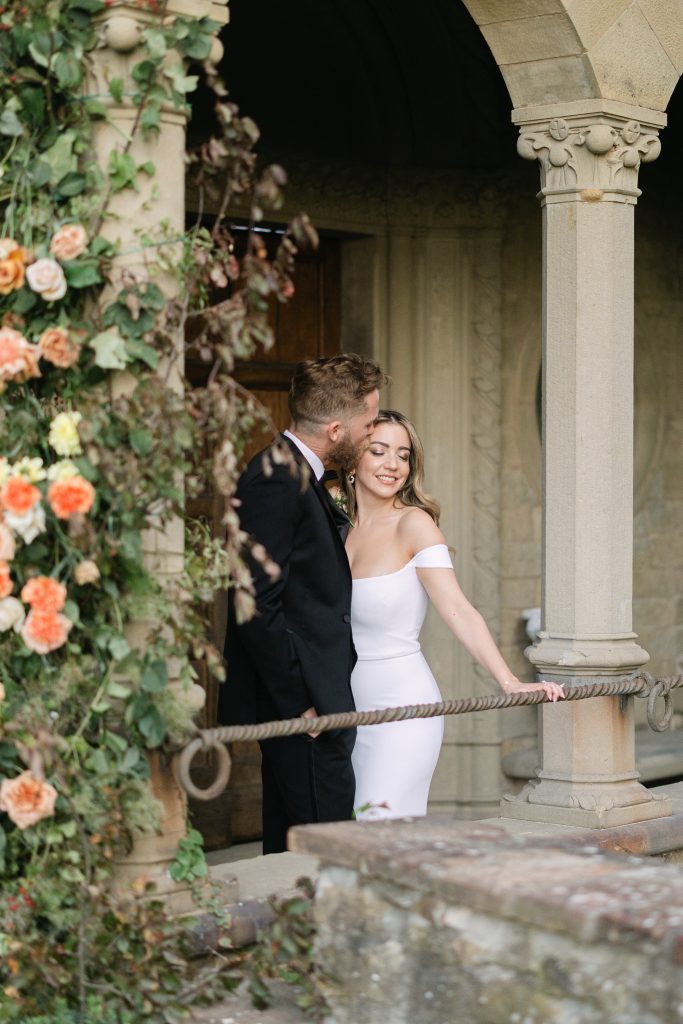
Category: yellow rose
[63,435]
[62,470]
[30,469]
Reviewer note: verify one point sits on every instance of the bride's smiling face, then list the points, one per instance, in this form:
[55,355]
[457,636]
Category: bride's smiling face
[385,464]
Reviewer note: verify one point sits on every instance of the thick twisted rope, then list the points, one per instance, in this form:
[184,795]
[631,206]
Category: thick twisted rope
[642,685]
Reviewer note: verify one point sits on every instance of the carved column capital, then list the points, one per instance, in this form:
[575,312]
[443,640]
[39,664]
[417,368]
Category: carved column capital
[591,158]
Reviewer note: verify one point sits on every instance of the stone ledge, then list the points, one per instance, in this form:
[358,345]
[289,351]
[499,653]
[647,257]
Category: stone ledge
[562,880]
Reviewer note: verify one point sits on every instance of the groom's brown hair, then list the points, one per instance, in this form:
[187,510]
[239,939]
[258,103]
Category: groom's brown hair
[324,390]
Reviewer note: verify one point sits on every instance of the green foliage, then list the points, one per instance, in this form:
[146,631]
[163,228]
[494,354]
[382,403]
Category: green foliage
[86,692]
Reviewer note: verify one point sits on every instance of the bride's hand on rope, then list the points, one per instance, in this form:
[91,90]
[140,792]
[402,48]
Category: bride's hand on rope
[555,691]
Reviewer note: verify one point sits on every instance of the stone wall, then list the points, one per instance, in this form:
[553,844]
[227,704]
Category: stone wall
[435,922]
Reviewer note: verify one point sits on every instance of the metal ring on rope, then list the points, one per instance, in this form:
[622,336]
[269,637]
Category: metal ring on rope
[183,763]
[660,689]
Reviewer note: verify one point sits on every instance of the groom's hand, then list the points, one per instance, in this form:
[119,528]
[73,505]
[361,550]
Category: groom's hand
[311,713]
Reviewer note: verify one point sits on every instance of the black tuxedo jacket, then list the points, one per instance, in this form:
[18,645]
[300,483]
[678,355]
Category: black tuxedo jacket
[297,651]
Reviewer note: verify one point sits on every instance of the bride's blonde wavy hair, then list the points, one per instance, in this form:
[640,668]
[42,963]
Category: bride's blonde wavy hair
[411,493]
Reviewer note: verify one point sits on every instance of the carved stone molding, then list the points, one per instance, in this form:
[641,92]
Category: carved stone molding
[598,158]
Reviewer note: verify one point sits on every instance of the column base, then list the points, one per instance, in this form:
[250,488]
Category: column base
[576,656]
[587,805]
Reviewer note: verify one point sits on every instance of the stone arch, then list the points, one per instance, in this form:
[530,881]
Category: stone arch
[558,51]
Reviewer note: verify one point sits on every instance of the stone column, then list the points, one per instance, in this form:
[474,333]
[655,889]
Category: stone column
[589,162]
[159,199]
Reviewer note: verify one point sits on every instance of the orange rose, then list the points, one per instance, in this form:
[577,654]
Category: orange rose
[12,271]
[58,347]
[44,594]
[75,494]
[18,357]
[6,584]
[27,799]
[18,496]
[45,631]
[69,242]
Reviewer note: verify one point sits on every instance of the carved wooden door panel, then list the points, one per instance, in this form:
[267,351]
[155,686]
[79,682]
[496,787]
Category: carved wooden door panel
[305,328]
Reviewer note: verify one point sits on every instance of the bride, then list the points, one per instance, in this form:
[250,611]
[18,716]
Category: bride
[399,561]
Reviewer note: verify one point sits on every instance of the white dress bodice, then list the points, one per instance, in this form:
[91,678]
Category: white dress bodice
[387,611]
[394,762]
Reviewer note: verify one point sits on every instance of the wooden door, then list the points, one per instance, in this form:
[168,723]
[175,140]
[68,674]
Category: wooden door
[307,327]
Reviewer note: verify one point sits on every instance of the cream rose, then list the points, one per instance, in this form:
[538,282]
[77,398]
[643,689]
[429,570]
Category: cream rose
[31,469]
[86,572]
[69,242]
[28,525]
[8,544]
[27,799]
[46,277]
[12,614]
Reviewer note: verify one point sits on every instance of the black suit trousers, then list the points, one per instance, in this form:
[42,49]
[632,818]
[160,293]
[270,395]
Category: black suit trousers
[305,781]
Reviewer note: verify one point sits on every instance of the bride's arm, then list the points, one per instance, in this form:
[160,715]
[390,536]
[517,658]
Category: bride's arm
[464,621]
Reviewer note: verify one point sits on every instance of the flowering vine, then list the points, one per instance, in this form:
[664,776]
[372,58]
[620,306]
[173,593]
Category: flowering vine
[86,467]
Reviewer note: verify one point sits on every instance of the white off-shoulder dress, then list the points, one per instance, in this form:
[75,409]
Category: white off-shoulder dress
[394,762]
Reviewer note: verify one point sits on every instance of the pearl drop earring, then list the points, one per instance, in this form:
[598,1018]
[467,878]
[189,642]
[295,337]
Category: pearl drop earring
[351,477]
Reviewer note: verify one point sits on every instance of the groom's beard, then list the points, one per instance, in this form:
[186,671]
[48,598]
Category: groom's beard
[345,453]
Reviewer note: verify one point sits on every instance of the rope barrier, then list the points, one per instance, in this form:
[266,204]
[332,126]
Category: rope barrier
[641,685]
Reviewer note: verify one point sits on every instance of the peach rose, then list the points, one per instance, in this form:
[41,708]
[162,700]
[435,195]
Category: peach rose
[75,494]
[18,496]
[45,631]
[57,347]
[46,277]
[18,357]
[6,584]
[27,799]
[69,242]
[86,572]
[44,594]
[12,266]
[8,545]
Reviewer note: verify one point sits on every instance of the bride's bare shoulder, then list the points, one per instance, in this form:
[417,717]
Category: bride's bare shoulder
[418,530]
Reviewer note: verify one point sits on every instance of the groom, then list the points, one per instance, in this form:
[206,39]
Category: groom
[295,656]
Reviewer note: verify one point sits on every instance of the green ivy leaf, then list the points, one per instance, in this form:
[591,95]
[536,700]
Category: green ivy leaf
[39,171]
[141,441]
[110,350]
[60,155]
[155,43]
[82,274]
[72,611]
[10,123]
[129,759]
[122,170]
[72,184]
[116,89]
[152,727]
[155,677]
[180,82]
[96,109]
[118,647]
[137,349]
[67,69]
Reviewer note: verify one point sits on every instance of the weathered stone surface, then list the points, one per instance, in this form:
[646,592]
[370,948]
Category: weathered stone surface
[431,922]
